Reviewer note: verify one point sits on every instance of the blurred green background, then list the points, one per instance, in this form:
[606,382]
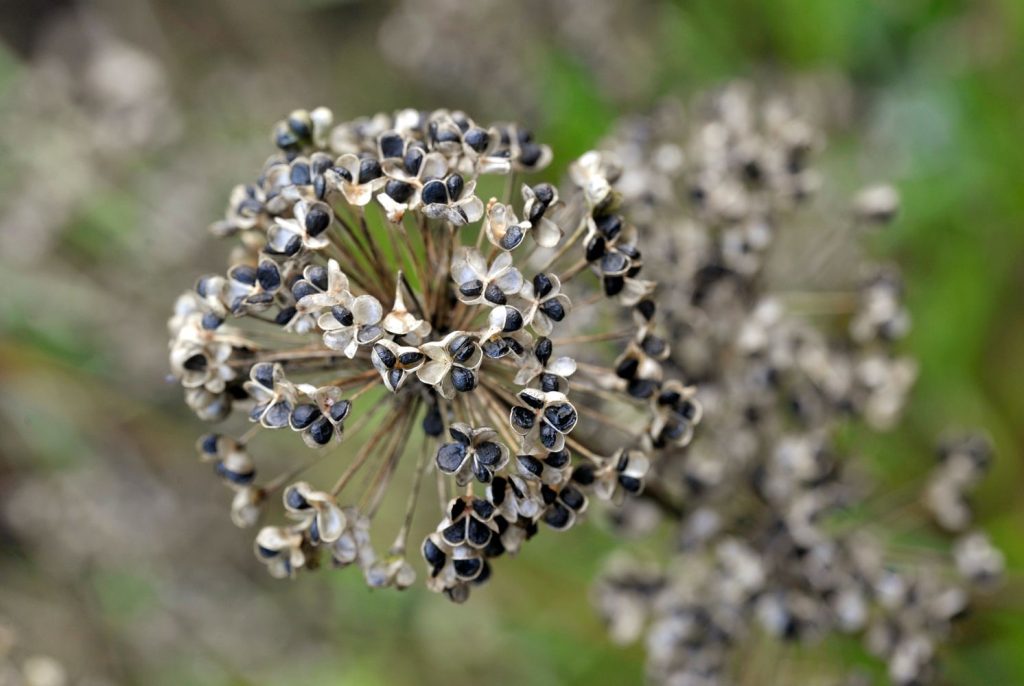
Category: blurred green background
[124,126]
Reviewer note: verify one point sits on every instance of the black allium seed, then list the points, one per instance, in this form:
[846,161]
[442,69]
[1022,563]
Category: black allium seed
[494,295]
[399,191]
[455,184]
[304,415]
[522,418]
[463,379]
[369,169]
[450,457]
[554,310]
[317,221]
[321,430]
[391,145]
[434,192]
[513,320]
[269,276]
[472,289]
[343,315]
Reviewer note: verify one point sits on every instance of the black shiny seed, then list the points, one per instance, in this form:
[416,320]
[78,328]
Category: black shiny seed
[266,552]
[522,418]
[319,163]
[514,345]
[410,358]
[458,507]
[513,237]
[614,262]
[263,374]
[531,464]
[613,285]
[482,508]
[314,532]
[455,184]
[631,484]
[321,431]
[554,310]
[237,478]
[542,285]
[320,186]
[531,400]
[269,276]
[369,169]
[292,246]
[432,424]
[303,416]
[462,348]
[495,348]
[642,388]
[285,316]
[413,160]
[211,321]
[542,350]
[459,435]
[468,568]
[573,498]
[243,274]
[477,139]
[300,174]
[529,154]
[472,289]
[493,294]
[610,225]
[295,500]
[299,125]
[317,221]
[561,416]
[548,436]
[343,315]
[433,554]
[596,249]
[545,193]
[391,145]
[302,288]
[477,533]
[317,276]
[548,382]
[627,369]
[340,410]
[583,475]
[463,379]
[557,516]
[399,191]
[343,173]
[488,453]
[209,444]
[654,345]
[455,534]
[386,357]
[513,320]
[434,192]
[557,460]
[203,286]
[446,136]
[450,457]
[646,308]
[395,377]
[285,139]
[498,487]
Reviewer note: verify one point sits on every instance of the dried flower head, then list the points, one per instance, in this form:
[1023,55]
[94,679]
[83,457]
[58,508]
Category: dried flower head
[376,301]
[790,334]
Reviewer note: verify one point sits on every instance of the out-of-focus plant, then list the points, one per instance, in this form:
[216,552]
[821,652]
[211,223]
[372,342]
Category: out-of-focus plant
[790,332]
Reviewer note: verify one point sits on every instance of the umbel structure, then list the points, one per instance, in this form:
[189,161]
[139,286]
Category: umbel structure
[418,338]
[784,532]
